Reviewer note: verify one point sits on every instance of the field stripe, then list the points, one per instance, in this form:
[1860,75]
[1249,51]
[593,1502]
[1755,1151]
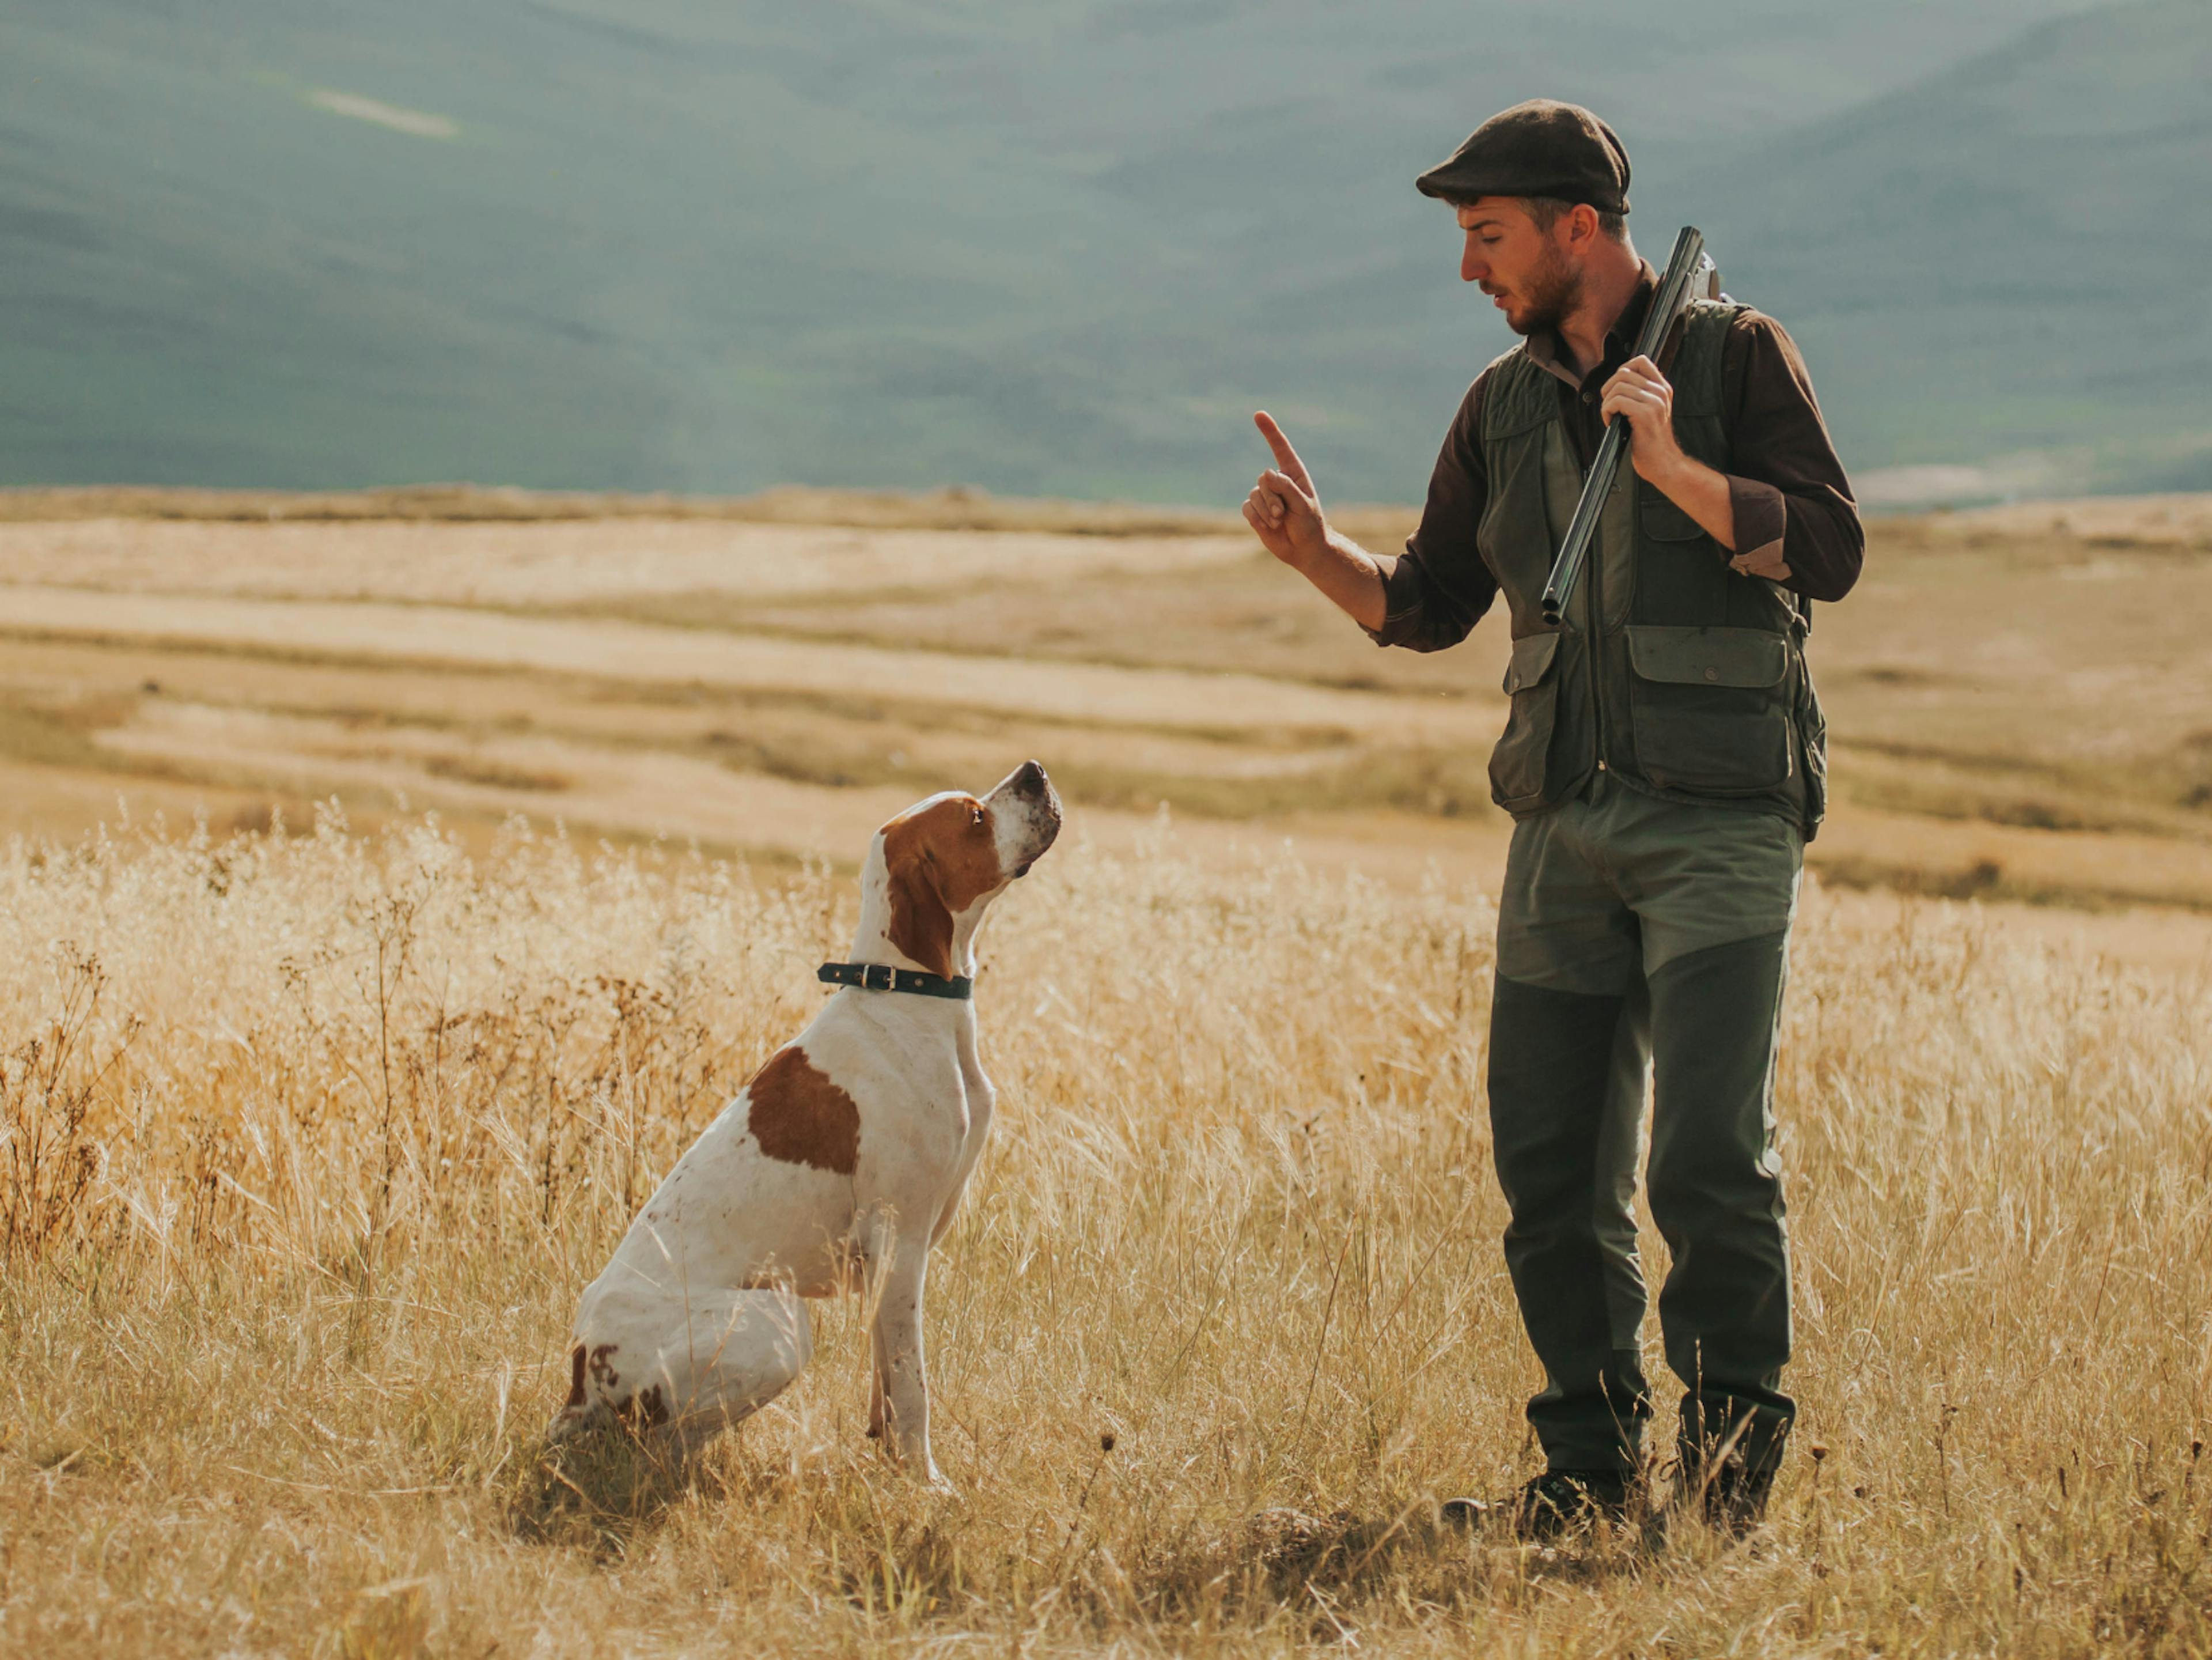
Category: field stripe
[643,653]
[649,793]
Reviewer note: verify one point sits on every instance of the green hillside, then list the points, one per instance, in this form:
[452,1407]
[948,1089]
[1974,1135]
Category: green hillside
[2007,256]
[1058,246]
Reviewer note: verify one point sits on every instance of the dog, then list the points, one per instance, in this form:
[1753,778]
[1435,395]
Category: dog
[837,1168]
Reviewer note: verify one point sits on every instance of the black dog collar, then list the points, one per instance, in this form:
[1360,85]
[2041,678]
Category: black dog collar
[882,976]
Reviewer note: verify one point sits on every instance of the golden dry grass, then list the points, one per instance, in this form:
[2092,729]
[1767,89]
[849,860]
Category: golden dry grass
[296,1208]
[310,1143]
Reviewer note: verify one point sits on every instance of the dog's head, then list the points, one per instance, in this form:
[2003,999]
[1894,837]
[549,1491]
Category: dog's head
[941,862]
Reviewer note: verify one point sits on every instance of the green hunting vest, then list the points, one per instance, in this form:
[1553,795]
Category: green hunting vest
[1672,673]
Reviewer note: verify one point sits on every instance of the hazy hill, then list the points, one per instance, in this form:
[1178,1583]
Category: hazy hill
[2009,256]
[1058,246]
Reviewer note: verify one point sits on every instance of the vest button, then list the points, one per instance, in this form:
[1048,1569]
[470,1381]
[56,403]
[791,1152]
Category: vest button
[1712,674]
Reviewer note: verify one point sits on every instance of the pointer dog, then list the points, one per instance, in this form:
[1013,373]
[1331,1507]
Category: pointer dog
[840,1163]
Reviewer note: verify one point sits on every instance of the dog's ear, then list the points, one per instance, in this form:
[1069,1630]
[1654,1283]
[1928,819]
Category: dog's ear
[938,862]
[921,924]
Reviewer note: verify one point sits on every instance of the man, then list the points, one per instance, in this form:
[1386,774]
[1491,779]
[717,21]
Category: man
[1664,760]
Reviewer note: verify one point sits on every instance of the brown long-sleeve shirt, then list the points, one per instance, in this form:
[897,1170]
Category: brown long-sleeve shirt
[1785,483]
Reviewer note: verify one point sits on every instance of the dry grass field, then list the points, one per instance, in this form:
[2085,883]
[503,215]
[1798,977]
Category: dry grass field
[308,1139]
[2019,695]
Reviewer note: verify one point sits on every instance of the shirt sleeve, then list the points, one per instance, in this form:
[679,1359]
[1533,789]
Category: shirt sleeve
[1785,483]
[1438,588]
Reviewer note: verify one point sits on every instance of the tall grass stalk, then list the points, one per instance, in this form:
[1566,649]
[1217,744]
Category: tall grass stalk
[307,1146]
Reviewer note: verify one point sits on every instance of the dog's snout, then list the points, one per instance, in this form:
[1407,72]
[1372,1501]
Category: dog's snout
[1029,783]
[1037,813]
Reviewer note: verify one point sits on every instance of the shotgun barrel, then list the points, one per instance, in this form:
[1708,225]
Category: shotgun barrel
[1689,276]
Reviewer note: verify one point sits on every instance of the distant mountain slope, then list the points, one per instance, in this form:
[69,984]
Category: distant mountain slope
[1057,247]
[208,275]
[2012,255]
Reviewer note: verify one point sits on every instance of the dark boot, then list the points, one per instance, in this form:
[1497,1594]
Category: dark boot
[1735,1498]
[1729,1456]
[1556,1504]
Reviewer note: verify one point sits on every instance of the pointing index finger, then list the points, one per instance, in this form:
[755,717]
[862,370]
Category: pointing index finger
[1285,457]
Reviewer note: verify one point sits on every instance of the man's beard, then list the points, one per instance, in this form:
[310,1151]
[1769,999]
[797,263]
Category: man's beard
[1554,290]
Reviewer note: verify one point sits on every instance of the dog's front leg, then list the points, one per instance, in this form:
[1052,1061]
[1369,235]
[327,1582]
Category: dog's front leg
[901,1373]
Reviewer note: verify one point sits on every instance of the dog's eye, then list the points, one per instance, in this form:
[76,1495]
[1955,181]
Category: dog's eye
[975,818]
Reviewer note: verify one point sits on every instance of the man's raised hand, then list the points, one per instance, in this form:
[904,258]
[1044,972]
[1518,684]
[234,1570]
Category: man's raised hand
[1283,509]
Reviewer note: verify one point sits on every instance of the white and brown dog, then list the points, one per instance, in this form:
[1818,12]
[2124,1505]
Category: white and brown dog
[837,1167]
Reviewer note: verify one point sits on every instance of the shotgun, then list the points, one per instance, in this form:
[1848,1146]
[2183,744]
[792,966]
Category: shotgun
[1689,275]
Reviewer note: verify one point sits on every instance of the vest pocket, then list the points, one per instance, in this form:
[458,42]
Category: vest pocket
[1708,708]
[1682,577]
[1662,520]
[1813,742]
[1516,765]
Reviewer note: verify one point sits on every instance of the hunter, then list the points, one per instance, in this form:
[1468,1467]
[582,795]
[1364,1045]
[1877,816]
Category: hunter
[1664,762]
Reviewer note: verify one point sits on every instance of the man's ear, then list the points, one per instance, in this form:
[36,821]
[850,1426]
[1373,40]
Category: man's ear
[921,926]
[1582,226]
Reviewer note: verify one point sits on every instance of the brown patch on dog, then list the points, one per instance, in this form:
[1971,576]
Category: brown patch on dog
[603,1371]
[799,1117]
[645,1410]
[941,859]
[575,1378]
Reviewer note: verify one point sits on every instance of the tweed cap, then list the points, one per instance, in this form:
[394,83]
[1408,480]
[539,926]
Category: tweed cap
[1541,147]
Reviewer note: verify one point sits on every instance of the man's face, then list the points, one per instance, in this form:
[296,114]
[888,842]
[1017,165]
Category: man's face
[1525,271]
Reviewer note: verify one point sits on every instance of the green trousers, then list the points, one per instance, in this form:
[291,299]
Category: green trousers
[1639,938]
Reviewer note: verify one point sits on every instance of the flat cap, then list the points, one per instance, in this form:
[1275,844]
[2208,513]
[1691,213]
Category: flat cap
[1541,147]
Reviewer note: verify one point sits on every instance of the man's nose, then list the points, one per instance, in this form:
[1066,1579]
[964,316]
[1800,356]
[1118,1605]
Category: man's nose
[1473,267]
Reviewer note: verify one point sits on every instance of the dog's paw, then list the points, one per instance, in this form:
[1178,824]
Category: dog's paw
[571,1422]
